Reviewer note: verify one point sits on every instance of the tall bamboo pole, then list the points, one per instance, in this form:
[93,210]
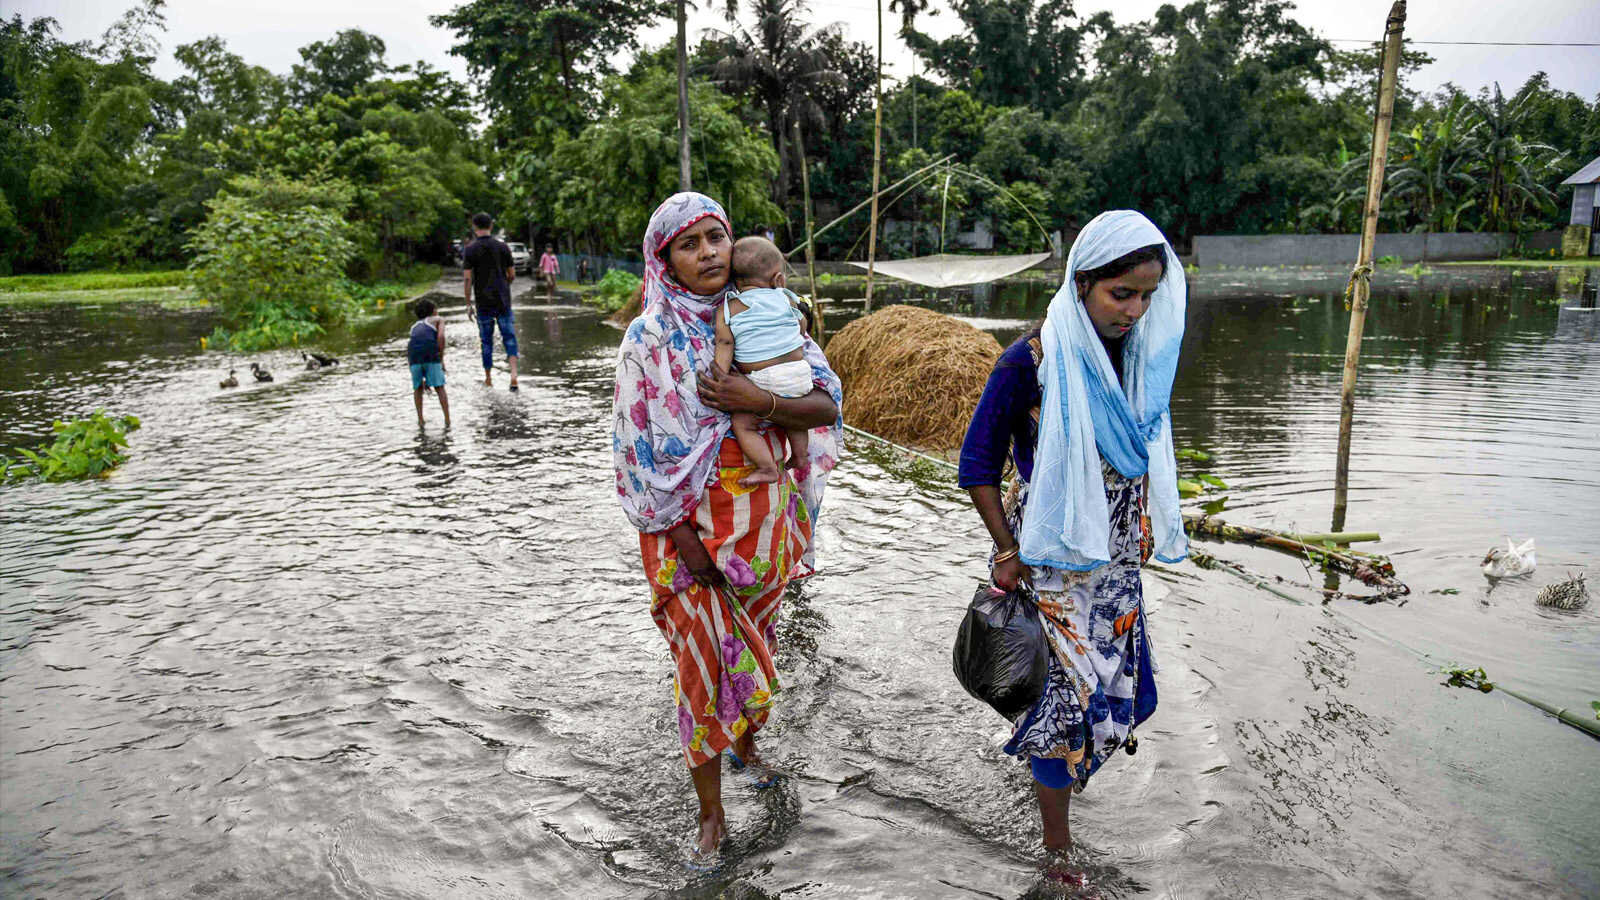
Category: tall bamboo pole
[1360,287]
[877,159]
[684,182]
[811,245]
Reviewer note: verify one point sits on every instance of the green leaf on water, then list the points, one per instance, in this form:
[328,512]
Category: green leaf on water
[1187,488]
[1196,455]
[1213,480]
[1212,507]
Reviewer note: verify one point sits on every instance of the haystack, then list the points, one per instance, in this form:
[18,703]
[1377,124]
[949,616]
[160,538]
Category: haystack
[912,375]
[629,311]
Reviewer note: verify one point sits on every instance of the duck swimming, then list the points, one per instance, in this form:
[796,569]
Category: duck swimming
[1515,559]
[229,382]
[260,373]
[315,360]
[1569,594]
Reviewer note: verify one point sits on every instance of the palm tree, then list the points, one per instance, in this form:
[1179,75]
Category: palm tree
[780,60]
[1516,170]
[1436,164]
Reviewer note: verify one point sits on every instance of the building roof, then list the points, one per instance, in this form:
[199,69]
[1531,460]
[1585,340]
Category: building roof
[1586,175]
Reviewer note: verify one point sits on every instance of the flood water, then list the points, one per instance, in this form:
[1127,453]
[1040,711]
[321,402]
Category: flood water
[294,647]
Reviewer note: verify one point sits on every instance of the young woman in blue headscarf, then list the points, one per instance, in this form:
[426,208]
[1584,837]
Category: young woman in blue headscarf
[1081,407]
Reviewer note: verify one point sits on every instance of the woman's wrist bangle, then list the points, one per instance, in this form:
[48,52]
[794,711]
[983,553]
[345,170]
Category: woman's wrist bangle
[774,408]
[1004,555]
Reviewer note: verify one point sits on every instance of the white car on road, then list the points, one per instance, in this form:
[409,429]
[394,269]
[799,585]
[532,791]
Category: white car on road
[521,259]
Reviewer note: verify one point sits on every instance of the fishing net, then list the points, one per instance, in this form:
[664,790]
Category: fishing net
[950,269]
[912,375]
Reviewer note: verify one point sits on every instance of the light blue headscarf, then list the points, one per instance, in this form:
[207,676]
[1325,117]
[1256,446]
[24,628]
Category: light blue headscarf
[1084,417]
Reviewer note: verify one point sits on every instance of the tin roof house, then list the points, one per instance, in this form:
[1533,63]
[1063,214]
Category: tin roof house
[1585,211]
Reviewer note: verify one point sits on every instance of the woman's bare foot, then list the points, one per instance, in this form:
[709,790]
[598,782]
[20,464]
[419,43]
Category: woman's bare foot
[766,475]
[713,830]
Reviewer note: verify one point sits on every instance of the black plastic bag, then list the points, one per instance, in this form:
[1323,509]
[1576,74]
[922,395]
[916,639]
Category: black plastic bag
[1001,655]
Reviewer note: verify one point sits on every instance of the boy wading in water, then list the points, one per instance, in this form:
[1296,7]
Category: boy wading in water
[425,353]
[759,331]
[488,271]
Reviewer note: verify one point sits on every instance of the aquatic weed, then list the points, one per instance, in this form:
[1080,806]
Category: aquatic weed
[614,291]
[83,448]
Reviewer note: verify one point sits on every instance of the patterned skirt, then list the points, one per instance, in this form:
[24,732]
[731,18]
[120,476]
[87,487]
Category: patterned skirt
[723,639]
[1101,683]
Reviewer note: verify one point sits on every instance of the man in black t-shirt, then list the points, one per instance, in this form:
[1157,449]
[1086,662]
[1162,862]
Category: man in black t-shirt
[488,271]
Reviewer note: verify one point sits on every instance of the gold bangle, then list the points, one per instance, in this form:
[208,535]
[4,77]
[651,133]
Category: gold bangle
[1004,555]
[774,408]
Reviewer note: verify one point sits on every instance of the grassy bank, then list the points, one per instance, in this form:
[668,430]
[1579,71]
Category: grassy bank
[168,297]
[92,281]
[1588,262]
[168,288]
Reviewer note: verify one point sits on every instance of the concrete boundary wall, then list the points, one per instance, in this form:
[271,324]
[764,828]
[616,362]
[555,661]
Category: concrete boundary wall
[1254,250]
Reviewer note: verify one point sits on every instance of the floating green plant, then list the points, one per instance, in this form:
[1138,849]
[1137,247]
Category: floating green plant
[83,448]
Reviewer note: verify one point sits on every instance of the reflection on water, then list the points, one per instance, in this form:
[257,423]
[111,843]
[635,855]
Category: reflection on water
[294,647]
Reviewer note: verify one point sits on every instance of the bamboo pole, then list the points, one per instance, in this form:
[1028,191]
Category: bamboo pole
[1337,537]
[944,208]
[863,204]
[877,159]
[811,252]
[1360,285]
[1577,720]
[1369,569]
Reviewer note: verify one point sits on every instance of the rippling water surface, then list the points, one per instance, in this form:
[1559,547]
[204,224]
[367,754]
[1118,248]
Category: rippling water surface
[295,647]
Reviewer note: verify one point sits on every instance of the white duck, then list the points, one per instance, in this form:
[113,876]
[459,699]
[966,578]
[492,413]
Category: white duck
[1516,559]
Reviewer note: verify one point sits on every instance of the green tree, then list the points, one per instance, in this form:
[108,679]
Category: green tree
[1433,169]
[541,63]
[270,256]
[1517,172]
[75,116]
[1182,105]
[1012,53]
[783,63]
[619,168]
[340,67]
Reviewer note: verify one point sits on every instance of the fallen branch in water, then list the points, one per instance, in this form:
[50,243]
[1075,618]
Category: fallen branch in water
[1368,568]
[1206,561]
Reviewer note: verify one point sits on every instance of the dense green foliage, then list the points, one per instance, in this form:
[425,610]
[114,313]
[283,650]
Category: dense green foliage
[270,257]
[103,165]
[83,448]
[1219,116]
[614,291]
[618,169]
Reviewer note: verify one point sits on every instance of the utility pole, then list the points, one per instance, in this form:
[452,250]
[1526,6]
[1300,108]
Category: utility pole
[684,183]
[877,160]
[1360,286]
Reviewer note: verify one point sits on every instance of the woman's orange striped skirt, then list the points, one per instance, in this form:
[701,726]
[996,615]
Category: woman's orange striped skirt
[723,639]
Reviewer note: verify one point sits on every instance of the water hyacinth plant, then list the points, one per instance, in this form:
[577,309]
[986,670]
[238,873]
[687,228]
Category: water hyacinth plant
[83,448]
[614,291]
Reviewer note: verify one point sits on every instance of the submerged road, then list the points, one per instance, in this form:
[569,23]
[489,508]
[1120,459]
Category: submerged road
[296,648]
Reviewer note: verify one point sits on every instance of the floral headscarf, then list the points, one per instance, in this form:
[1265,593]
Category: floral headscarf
[664,440]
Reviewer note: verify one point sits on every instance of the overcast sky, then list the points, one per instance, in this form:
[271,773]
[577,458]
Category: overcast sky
[268,32]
